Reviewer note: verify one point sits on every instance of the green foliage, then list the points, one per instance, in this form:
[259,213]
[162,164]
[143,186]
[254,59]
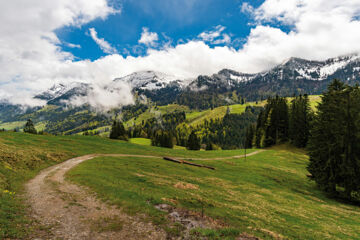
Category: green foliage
[162,139]
[273,123]
[118,131]
[334,144]
[229,132]
[29,127]
[193,142]
[166,122]
[299,122]
[250,134]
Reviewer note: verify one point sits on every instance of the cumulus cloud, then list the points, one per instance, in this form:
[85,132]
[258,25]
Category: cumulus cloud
[148,38]
[104,45]
[30,58]
[31,61]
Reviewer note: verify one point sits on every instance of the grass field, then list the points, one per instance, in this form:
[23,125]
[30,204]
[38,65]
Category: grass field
[147,142]
[12,125]
[140,141]
[22,156]
[268,195]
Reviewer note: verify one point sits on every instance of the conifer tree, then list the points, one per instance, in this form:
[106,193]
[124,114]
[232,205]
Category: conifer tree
[118,131]
[334,143]
[250,133]
[114,130]
[193,142]
[299,123]
[29,127]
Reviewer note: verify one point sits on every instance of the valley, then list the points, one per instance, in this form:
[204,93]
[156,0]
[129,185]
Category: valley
[116,189]
[179,120]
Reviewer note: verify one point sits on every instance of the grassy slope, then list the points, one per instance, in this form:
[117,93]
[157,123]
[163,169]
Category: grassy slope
[22,156]
[267,195]
[194,117]
[12,125]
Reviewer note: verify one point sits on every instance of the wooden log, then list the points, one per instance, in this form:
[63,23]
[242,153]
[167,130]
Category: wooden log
[171,159]
[188,163]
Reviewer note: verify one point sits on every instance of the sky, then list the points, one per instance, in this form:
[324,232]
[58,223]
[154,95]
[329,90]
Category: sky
[43,43]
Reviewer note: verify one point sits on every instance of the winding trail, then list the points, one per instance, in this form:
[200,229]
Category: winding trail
[67,211]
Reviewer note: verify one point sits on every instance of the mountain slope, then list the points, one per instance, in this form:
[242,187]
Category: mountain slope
[227,87]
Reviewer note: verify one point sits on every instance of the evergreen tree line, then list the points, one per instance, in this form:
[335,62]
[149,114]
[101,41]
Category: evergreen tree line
[334,143]
[331,136]
[161,130]
[118,131]
[279,123]
[228,132]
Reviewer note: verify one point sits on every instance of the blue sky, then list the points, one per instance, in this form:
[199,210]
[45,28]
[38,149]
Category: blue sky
[95,41]
[174,20]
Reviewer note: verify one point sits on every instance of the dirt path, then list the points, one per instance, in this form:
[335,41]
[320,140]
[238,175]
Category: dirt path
[66,211]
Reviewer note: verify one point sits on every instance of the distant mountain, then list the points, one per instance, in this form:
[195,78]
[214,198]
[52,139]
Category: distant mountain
[59,93]
[293,76]
[149,80]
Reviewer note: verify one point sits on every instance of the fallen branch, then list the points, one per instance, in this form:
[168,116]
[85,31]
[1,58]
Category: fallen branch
[188,163]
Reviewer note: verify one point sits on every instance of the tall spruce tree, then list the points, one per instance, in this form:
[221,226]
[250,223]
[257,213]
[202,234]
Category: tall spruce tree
[250,134]
[193,142]
[162,139]
[118,131]
[299,122]
[334,143]
[259,129]
[29,127]
[273,123]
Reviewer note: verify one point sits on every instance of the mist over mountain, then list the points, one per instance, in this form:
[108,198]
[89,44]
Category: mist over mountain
[83,103]
[293,76]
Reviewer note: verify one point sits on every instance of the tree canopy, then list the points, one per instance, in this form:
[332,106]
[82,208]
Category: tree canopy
[334,143]
[29,127]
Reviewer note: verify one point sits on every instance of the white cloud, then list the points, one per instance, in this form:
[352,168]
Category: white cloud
[148,38]
[104,99]
[247,8]
[104,45]
[71,45]
[226,39]
[215,36]
[31,61]
[30,58]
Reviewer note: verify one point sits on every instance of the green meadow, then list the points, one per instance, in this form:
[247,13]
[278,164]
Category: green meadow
[22,156]
[267,195]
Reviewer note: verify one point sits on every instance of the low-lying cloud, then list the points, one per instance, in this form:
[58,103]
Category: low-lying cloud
[102,98]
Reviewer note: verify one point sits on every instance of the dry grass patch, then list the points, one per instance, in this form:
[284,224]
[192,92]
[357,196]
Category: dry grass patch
[183,185]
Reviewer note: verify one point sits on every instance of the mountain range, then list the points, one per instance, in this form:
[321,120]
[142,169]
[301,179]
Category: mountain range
[292,77]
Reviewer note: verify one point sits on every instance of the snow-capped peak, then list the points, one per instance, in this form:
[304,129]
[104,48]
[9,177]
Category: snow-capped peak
[59,89]
[149,80]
